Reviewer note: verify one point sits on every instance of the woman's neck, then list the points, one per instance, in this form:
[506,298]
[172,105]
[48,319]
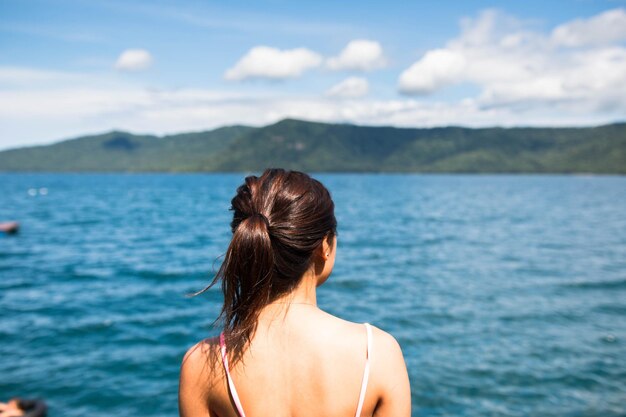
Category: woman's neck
[304,293]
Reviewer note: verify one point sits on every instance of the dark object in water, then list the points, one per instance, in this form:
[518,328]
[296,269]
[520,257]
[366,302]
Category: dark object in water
[33,408]
[9,227]
[27,408]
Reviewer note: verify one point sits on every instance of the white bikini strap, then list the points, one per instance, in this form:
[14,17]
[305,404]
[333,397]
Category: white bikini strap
[366,372]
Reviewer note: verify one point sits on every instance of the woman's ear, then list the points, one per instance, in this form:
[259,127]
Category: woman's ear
[327,247]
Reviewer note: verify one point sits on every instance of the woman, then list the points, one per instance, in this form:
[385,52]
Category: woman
[279,354]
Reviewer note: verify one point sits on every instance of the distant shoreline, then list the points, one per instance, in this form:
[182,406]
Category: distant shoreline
[337,148]
[355,173]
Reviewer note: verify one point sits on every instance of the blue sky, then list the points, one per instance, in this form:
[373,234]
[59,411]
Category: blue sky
[69,68]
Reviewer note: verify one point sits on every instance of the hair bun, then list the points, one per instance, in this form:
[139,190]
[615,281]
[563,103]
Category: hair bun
[262,217]
[260,266]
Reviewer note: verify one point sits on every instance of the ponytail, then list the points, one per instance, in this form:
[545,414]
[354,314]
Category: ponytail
[246,275]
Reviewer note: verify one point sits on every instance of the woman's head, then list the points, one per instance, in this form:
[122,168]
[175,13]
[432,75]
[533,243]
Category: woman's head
[280,221]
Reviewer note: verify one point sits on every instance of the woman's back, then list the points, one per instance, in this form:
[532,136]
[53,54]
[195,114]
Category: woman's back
[284,356]
[304,362]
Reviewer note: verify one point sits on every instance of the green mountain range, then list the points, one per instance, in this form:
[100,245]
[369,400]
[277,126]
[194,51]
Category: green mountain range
[319,147]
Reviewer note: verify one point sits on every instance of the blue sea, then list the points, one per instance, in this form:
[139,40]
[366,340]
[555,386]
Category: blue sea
[507,293]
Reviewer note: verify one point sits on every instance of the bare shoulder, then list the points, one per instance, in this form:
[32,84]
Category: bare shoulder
[352,332]
[386,351]
[385,341]
[198,376]
[389,375]
[199,358]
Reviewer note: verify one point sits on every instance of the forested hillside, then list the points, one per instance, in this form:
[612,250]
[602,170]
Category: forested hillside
[321,147]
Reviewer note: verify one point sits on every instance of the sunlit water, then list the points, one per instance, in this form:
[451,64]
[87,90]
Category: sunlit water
[506,293]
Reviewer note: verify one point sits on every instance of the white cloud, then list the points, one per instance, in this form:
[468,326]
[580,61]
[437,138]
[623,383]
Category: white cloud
[134,60]
[351,87]
[359,55]
[605,28]
[523,69]
[69,111]
[438,68]
[17,76]
[272,63]
[12,78]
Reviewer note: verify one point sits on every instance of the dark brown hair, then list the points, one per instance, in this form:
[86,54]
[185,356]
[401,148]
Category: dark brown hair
[279,219]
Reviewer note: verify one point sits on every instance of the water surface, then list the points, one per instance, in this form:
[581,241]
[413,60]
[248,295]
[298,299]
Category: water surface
[506,293]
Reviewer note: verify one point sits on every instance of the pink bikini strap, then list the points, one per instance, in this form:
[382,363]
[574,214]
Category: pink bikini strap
[231,384]
[366,372]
